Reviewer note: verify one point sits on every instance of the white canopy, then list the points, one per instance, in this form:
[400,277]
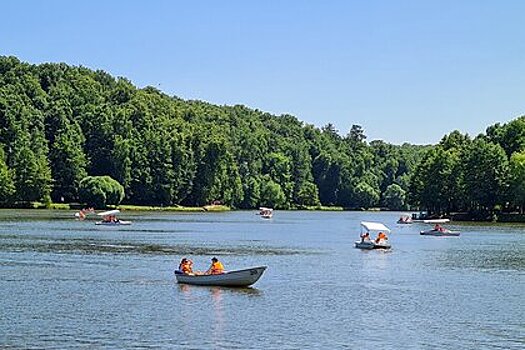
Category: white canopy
[110,212]
[436,221]
[374,226]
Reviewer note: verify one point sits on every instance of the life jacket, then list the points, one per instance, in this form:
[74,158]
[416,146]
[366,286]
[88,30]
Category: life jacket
[217,268]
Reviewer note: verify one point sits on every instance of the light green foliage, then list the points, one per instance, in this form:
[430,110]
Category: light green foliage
[272,195]
[59,123]
[7,186]
[365,196]
[395,197]
[486,174]
[99,191]
[517,179]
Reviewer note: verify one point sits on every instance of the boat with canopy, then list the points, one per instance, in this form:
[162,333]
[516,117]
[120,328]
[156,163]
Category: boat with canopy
[110,218]
[381,242]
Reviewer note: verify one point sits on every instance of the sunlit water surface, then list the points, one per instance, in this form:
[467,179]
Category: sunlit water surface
[71,284]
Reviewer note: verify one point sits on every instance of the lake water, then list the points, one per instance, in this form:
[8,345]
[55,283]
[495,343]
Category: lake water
[66,284]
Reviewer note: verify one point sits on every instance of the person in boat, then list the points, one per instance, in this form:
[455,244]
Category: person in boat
[216,267]
[365,237]
[439,228]
[381,237]
[186,266]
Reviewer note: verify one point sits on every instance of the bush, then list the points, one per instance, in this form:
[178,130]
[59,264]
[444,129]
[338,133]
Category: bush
[99,191]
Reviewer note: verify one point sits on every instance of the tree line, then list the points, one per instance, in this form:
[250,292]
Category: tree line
[60,124]
[62,127]
[480,175]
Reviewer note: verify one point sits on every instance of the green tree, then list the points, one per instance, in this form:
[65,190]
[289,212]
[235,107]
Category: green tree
[7,186]
[271,194]
[99,191]
[517,179]
[68,162]
[394,197]
[486,174]
[365,196]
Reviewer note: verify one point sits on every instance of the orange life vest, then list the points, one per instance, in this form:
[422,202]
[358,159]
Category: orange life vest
[217,268]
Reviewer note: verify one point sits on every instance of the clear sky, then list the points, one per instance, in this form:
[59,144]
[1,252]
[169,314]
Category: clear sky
[404,70]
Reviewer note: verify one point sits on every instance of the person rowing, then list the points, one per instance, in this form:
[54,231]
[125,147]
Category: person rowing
[216,267]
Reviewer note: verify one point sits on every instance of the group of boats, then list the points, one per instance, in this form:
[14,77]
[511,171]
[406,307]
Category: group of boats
[248,276]
[381,242]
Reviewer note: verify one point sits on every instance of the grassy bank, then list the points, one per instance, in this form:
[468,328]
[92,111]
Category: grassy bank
[177,208]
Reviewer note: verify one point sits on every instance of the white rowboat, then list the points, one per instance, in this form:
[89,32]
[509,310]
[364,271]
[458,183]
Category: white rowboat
[236,278]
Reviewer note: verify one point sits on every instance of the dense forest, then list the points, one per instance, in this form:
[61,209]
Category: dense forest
[63,126]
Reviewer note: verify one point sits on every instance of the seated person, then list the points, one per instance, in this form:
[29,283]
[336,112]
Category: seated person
[216,267]
[365,237]
[186,267]
[438,227]
[380,237]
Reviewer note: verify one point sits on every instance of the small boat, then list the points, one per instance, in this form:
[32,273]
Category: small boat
[236,278]
[266,213]
[372,245]
[442,232]
[405,219]
[439,230]
[425,218]
[109,218]
[367,243]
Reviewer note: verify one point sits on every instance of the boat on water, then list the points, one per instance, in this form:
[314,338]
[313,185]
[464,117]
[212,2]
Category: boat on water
[235,278]
[425,218]
[109,218]
[266,213]
[439,233]
[405,219]
[379,243]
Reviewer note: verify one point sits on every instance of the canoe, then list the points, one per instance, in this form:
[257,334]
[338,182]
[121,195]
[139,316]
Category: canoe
[236,278]
[372,245]
[439,233]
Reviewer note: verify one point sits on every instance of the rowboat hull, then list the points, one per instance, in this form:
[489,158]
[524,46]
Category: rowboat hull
[237,278]
[439,233]
[369,245]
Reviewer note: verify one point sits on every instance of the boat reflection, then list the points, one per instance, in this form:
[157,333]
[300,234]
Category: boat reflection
[217,291]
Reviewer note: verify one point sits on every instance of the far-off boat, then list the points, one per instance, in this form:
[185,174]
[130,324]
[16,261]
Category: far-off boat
[405,219]
[236,278]
[109,218]
[439,231]
[266,213]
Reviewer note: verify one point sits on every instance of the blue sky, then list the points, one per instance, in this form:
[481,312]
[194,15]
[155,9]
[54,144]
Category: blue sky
[407,71]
